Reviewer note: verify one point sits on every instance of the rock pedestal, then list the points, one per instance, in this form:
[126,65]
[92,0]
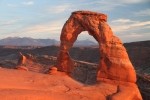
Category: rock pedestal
[22,59]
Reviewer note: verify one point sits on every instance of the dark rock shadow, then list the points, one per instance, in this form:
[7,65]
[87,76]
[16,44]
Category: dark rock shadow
[85,72]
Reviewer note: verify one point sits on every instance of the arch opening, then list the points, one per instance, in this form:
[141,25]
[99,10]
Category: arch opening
[85,48]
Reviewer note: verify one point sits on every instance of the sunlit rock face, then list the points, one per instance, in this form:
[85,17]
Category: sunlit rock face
[22,59]
[114,61]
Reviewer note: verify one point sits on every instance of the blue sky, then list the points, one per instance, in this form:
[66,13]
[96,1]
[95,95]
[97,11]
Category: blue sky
[129,19]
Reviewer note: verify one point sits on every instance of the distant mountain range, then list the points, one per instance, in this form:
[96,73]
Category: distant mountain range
[26,41]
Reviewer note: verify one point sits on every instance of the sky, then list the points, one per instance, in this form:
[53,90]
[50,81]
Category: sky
[129,19]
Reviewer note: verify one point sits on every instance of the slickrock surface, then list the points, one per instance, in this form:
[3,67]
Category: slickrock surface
[23,85]
[114,61]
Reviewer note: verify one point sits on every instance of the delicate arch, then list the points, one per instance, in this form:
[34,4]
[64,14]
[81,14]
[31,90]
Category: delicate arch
[114,61]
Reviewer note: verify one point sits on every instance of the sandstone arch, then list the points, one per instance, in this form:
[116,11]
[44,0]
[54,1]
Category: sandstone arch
[114,62]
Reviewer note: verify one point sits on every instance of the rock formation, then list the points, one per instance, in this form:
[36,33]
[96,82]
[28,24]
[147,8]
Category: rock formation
[40,64]
[22,59]
[21,62]
[53,70]
[114,61]
[21,85]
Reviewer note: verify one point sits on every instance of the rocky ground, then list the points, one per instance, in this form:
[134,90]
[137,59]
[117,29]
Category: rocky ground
[85,72]
[23,85]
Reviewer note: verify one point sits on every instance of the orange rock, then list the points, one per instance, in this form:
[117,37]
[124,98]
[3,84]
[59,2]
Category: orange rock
[114,60]
[53,70]
[126,93]
[22,59]
[22,68]
[21,62]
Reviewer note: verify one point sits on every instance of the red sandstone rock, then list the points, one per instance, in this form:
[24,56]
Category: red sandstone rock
[22,59]
[19,85]
[21,62]
[22,68]
[126,93]
[114,61]
[53,70]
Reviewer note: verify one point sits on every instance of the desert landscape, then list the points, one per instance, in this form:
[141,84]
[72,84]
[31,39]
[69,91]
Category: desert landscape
[46,56]
[75,50]
[63,73]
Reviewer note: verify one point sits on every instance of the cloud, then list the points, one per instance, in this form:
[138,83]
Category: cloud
[122,21]
[8,22]
[44,30]
[28,3]
[96,5]
[59,8]
[145,12]
[103,5]
[12,5]
[131,30]
[8,26]
[49,29]
[121,25]
[131,1]
[107,5]
[131,37]
[15,5]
